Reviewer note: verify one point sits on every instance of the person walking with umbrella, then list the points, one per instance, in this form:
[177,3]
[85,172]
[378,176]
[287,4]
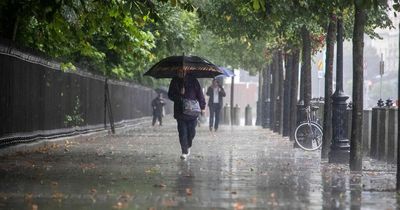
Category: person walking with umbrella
[185,91]
[215,92]
[186,87]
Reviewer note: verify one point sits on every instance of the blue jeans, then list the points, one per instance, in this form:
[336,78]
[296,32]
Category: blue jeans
[187,131]
[214,112]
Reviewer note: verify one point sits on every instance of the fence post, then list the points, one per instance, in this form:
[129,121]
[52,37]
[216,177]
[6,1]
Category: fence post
[107,104]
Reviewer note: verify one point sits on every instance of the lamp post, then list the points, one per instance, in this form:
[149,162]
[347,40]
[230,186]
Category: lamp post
[340,147]
[381,72]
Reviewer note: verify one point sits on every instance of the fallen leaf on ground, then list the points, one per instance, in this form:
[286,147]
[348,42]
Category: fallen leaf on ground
[35,207]
[57,196]
[238,206]
[54,184]
[120,205]
[28,197]
[87,166]
[169,203]
[188,191]
[272,195]
[159,185]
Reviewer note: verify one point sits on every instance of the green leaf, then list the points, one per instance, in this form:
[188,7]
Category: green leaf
[256,5]
[396,7]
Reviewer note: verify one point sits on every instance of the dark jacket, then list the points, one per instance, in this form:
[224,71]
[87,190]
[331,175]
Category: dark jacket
[157,105]
[221,94]
[193,91]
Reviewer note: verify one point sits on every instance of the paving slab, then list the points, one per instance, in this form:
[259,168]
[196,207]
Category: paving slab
[239,167]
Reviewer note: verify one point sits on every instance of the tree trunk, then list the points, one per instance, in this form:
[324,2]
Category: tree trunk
[15,29]
[232,98]
[260,98]
[294,88]
[306,54]
[272,95]
[266,112]
[330,48]
[358,79]
[398,139]
[286,99]
[301,94]
[275,89]
[279,98]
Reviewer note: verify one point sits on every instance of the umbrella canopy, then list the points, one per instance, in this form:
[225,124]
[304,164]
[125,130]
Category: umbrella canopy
[162,90]
[194,65]
[226,73]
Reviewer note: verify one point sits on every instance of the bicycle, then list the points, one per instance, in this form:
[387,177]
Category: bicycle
[308,134]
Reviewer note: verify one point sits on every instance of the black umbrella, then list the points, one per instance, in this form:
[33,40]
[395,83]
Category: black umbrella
[162,90]
[193,65]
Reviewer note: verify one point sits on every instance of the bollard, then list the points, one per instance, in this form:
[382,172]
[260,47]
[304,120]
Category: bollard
[227,114]
[382,133]
[366,138]
[248,115]
[221,116]
[236,115]
[392,131]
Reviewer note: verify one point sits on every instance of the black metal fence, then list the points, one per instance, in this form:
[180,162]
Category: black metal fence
[37,99]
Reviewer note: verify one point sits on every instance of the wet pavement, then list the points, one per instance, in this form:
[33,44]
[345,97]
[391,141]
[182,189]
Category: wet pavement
[234,168]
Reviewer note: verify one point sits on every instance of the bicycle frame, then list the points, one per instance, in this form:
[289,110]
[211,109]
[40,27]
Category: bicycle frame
[311,130]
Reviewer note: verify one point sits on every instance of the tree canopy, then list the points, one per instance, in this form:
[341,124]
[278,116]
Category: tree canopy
[122,39]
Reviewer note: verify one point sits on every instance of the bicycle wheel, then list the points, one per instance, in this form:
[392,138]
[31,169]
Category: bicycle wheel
[308,136]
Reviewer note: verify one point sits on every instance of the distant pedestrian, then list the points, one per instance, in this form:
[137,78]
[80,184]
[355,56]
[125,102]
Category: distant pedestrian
[215,92]
[158,107]
[186,93]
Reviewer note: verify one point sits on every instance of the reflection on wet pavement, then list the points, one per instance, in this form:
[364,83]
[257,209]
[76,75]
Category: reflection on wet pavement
[235,168]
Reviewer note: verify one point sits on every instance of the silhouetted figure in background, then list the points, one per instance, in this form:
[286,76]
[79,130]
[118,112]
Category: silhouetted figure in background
[158,105]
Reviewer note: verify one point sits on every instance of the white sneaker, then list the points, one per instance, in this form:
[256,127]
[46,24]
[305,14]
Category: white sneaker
[184,156]
[188,152]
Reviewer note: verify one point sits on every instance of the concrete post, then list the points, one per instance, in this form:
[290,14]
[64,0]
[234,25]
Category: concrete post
[367,120]
[392,131]
[236,115]
[221,116]
[374,132]
[248,115]
[227,114]
[382,133]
